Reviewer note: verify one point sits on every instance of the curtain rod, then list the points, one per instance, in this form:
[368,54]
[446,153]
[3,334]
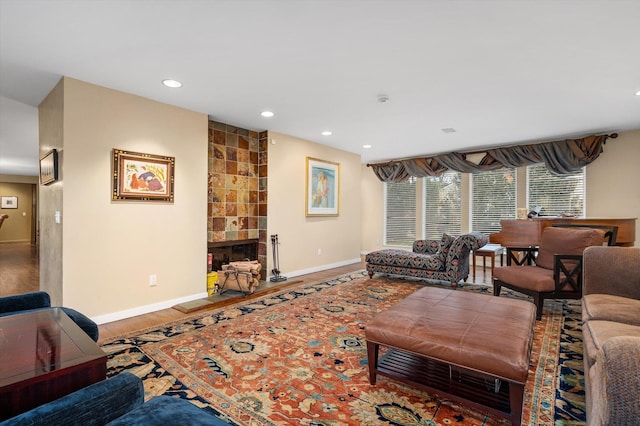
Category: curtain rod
[612,136]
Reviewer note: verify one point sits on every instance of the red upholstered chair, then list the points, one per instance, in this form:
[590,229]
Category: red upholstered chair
[556,271]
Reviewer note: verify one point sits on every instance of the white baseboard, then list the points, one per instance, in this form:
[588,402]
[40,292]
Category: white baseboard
[140,310]
[320,268]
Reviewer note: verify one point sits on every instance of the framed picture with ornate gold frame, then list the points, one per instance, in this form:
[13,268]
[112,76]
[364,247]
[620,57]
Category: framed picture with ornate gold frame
[142,177]
[322,188]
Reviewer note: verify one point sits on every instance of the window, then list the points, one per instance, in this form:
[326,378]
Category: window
[400,213]
[493,197]
[556,195]
[442,205]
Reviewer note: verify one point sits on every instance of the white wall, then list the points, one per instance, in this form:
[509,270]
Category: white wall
[18,130]
[300,237]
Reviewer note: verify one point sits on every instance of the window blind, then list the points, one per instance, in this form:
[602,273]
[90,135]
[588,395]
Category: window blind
[400,213]
[556,195]
[493,197]
[442,205]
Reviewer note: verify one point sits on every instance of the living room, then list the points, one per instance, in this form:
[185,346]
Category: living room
[178,235]
[99,259]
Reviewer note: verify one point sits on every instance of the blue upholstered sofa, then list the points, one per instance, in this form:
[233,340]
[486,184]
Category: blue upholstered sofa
[115,401]
[444,260]
[19,303]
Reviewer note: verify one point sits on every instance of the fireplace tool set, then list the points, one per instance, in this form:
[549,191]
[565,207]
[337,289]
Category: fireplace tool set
[276,262]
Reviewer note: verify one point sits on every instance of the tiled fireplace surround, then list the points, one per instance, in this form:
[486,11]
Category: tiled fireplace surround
[237,188]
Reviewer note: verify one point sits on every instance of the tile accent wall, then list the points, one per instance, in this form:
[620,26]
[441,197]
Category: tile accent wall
[237,188]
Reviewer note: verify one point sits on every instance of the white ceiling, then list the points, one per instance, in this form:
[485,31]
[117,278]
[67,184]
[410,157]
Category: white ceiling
[499,72]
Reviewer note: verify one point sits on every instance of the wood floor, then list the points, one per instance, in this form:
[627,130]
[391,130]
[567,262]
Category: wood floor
[19,273]
[19,268]
[155,318]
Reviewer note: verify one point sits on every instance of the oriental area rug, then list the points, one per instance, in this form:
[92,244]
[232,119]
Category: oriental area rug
[298,357]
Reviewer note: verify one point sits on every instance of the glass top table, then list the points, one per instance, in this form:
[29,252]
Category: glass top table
[44,355]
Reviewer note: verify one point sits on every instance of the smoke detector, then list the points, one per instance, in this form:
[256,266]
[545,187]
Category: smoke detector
[383,99]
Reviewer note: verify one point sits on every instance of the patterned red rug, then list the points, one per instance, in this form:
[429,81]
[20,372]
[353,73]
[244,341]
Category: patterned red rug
[299,357]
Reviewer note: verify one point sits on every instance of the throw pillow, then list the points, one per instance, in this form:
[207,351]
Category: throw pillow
[445,245]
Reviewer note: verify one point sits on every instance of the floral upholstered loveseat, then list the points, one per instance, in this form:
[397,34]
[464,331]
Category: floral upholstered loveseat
[445,260]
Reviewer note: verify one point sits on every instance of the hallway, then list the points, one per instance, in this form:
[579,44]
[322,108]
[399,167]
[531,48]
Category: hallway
[19,268]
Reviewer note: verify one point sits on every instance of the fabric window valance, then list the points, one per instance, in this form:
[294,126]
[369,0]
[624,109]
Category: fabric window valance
[560,157]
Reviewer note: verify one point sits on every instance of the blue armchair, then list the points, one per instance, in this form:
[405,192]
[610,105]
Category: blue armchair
[11,305]
[118,401]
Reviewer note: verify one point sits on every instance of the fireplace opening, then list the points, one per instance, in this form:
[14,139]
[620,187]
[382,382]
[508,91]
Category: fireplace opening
[224,252]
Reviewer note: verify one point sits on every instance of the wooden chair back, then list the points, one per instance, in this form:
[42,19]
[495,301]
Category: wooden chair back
[610,235]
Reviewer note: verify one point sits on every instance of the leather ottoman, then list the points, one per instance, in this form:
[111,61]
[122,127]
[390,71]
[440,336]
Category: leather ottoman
[468,347]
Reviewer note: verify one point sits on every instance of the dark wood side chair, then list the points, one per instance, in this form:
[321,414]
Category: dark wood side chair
[551,271]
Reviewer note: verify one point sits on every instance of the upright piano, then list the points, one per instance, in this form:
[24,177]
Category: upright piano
[527,232]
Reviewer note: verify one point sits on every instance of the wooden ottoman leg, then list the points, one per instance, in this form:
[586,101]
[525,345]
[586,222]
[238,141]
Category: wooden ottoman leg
[497,286]
[516,399]
[372,356]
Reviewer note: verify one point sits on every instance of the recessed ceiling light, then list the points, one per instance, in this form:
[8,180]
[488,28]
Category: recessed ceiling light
[172,83]
[383,99]
[366,146]
[267,114]
[449,130]
[327,133]
[638,93]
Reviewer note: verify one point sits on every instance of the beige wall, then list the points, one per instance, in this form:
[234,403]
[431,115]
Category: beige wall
[18,226]
[612,190]
[50,118]
[372,218]
[110,248]
[300,237]
[19,179]
[613,180]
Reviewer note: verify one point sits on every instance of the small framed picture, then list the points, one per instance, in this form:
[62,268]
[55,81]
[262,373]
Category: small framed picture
[49,167]
[142,177]
[323,188]
[9,202]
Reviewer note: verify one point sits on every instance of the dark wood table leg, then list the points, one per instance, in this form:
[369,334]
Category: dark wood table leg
[473,258]
[516,398]
[372,356]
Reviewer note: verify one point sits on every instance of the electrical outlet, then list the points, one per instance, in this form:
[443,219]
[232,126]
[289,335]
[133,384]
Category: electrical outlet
[319,252]
[153,280]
